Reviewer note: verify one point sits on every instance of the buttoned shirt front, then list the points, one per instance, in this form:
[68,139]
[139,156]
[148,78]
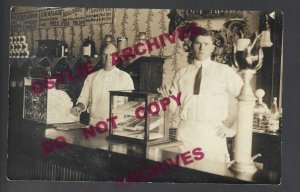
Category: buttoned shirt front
[218,83]
[95,91]
[198,115]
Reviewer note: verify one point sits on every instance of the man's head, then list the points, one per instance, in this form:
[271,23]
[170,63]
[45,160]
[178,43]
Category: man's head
[202,45]
[106,52]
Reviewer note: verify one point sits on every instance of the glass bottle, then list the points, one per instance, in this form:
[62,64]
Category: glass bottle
[88,47]
[62,49]
[274,116]
[274,109]
[121,44]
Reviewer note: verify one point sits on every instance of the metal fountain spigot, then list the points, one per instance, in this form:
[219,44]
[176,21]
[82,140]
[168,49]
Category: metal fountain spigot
[248,57]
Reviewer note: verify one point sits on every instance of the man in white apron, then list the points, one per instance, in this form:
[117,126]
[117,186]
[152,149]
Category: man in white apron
[95,92]
[208,101]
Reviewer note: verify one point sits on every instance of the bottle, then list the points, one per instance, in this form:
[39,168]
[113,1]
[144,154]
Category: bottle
[274,116]
[24,46]
[11,46]
[24,54]
[274,108]
[108,39]
[14,39]
[18,46]
[23,39]
[121,44]
[88,47]
[17,54]
[62,49]
[141,38]
[18,39]
[13,54]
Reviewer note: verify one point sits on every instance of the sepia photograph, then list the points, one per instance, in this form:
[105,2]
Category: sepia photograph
[128,95]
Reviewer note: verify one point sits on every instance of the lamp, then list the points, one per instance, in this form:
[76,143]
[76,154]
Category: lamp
[266,34]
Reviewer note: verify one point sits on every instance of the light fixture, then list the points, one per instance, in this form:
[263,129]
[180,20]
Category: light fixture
[266,34]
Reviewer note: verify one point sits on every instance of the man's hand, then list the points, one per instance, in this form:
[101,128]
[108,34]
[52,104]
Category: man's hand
[222,131]
[164,90]
[77,109]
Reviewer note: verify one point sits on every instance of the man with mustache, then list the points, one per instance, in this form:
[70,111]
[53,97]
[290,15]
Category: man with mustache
[95,91]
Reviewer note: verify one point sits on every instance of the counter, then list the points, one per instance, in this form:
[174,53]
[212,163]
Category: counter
[99,159]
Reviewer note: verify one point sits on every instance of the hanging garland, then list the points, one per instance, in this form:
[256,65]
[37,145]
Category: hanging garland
[72,39]
[92,32]
[123,23]
[136,27]
[101,33]
[63,33]
[55,33]
[47,33]
[81,33]
[113,29]
[32,40]
[163,27]
[148,24]
[175,54]
[40,34]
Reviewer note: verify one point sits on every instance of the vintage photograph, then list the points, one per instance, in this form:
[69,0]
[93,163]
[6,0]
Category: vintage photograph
[145,95]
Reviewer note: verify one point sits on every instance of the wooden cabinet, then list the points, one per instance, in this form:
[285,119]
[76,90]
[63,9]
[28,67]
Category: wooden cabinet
[269,146]
[146,73]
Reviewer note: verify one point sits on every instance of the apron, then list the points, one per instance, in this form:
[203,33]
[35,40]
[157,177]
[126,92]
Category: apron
[203,134]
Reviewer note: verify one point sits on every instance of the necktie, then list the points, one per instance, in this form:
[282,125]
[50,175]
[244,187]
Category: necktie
[198,82]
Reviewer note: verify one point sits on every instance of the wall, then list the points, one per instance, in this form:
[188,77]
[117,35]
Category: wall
[128,22]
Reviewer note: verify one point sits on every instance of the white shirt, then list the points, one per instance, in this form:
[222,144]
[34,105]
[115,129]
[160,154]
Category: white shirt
[96,88]
[58,107]
[218,82]
[199,115]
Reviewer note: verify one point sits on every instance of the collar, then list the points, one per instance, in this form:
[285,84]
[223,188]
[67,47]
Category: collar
[203,63]
[111,71]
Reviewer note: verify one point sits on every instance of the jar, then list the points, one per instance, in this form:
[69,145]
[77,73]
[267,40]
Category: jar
[141,39]
[108,39]
[121,44]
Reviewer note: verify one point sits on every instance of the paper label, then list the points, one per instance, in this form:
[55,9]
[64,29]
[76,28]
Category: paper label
[87,50]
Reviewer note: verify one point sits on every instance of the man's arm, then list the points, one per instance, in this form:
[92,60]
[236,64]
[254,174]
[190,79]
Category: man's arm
[232,112]
[166,91]
[234,85]
[228,127]
[83,99]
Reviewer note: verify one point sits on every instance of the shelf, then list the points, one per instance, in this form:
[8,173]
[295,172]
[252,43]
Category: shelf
[128,108]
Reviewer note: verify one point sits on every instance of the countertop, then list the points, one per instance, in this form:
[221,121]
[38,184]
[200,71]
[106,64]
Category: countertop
[105,159]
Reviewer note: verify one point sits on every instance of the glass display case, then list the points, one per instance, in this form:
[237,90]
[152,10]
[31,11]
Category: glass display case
[139,118]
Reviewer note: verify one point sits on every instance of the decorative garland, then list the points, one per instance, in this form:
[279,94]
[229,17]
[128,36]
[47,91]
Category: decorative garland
[81,34]
[175,53]
[123,23]
[47,33]
[136,27]
[63,33]
[40,34]
[113,29]
[148,24]
[32,40]
[163,27]
[55,33]
[72,39]
[92,32]
[101,33]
